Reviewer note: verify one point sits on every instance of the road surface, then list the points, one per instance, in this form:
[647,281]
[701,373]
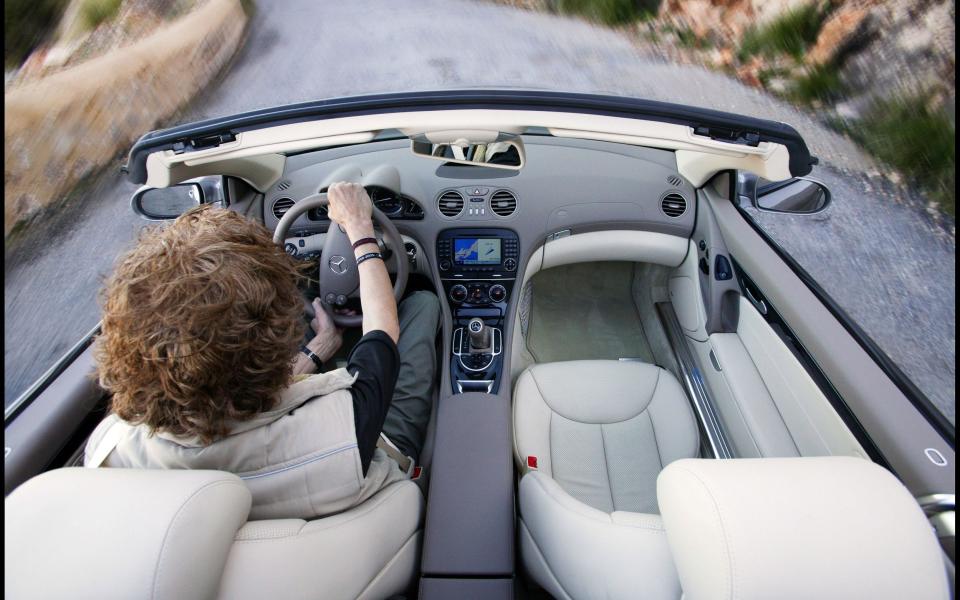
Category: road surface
[875,251]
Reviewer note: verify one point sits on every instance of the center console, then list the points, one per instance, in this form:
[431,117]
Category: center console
[478,271]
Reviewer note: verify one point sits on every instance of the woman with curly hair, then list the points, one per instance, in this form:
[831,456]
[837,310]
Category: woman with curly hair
[201,350]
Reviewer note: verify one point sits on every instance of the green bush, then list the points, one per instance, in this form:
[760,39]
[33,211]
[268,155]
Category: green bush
[817,83]
[790,33]
[95,12]
[610,12]
[917,141]
[26,23]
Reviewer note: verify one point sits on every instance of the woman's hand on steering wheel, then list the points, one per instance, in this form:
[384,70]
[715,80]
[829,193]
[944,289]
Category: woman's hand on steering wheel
[351,207]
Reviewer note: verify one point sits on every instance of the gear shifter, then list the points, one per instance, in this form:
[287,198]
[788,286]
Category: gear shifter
[481,339]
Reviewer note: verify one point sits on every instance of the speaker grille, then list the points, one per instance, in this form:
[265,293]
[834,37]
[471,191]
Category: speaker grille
[674,180]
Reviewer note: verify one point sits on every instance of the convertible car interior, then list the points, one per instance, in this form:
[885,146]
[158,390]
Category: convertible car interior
[638,395]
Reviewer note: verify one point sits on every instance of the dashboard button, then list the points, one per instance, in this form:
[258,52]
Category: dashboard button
[497,293]
[444,265]
[458,293]
[510,264]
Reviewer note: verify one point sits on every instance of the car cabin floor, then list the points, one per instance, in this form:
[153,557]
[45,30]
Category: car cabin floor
[586,311]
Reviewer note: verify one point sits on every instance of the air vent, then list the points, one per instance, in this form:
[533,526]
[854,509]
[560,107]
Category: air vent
[281,206]
[674,181]
[503,203]
[450,203]
[283,185]
[673,205]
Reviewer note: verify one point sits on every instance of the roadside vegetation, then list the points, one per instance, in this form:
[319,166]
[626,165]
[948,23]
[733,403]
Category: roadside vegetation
[788,55]
[27,23]
[906,134]
[791,33]
[610,12]
[95,12]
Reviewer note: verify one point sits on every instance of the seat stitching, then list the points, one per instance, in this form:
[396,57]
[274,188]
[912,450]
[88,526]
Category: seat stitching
[606,468]
[633,416]
[160,554]
[723,530]
[365,508]
[545,563]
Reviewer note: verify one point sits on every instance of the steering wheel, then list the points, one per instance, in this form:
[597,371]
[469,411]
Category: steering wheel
[338,275]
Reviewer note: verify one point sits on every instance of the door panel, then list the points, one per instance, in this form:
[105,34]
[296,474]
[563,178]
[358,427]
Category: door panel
[900,432]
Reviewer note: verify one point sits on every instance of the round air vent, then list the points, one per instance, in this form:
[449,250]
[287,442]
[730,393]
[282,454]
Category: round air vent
[281,206]
[450,203]
[503,203]
[674,181]
[673,205]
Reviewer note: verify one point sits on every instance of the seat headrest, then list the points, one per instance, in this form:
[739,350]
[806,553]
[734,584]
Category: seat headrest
[121,533]
[826,527]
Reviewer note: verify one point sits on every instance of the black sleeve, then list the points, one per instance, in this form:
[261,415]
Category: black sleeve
[376,363]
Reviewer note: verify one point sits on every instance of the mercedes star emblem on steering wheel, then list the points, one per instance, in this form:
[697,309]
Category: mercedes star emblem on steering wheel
[338,265]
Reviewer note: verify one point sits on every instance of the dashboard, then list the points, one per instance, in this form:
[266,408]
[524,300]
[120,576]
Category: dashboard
[471,230]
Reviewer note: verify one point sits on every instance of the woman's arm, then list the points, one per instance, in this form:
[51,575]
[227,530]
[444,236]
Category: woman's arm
[350,206]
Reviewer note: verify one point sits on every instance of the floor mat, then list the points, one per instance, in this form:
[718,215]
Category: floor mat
[585,311]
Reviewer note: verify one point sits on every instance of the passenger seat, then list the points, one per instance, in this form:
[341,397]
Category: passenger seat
[591,436]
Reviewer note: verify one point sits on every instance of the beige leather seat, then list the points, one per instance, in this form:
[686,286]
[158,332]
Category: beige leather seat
[599,432]
[128,533]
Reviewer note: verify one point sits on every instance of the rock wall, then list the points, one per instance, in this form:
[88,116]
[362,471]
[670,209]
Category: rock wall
[70,124]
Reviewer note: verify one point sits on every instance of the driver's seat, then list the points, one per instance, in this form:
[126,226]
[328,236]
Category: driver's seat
[131,533]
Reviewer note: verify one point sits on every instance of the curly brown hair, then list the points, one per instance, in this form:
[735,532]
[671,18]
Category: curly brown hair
[202,320]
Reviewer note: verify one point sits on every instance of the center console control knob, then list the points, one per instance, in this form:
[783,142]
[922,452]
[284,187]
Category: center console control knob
[497,293]
[444,265]
[510,264]
[458,293]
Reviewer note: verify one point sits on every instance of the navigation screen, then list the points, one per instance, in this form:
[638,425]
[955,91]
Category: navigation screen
[476,251]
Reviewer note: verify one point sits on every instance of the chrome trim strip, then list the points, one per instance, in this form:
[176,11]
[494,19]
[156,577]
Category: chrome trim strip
[458,342]
[693,381]
[460,383]
[937,503]
[44,380]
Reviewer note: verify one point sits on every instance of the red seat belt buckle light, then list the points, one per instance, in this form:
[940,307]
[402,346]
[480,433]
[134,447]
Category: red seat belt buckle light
[532,463]
[416,472]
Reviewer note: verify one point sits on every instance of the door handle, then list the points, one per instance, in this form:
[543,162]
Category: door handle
[760,305]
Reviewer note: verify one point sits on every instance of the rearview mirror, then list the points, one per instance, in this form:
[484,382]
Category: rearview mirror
[502,153]
[798,196]
[161,204]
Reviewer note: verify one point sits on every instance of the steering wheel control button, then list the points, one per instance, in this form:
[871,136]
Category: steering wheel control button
[497,293]
[341,300]
[458,293]
[330,298]
[290,249]
[510,264]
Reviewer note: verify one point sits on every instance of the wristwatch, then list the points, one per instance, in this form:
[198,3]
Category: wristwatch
[316,359]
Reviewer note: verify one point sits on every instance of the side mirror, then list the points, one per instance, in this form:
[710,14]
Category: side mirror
[161,204]
[798,196]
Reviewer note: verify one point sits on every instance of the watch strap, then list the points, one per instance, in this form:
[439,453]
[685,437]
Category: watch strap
[316,359]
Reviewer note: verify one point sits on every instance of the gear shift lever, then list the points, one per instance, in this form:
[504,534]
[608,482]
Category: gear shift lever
[481,339]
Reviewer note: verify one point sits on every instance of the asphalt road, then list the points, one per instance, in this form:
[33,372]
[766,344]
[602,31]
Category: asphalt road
[875,250]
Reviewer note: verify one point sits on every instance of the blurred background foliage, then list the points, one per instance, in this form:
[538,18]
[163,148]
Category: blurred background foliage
[26,24]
